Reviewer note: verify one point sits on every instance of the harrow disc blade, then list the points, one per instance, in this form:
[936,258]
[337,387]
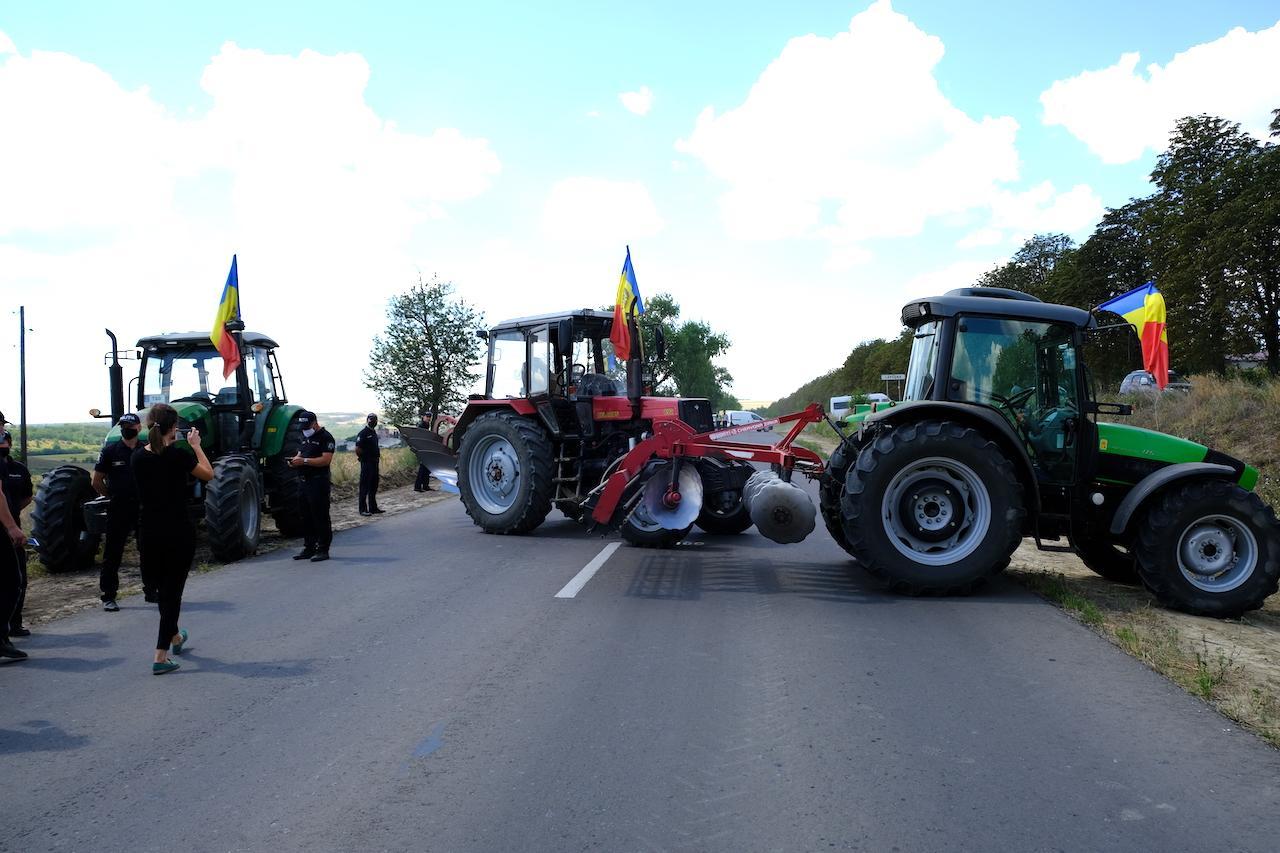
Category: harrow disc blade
[683,514]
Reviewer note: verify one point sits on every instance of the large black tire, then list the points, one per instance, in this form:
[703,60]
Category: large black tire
[1200,524]
[1107,559]
[284,485]
[642,537]
[511,453]
[723,513]
[57,520]
[932,508]
[233,509]
[831,489]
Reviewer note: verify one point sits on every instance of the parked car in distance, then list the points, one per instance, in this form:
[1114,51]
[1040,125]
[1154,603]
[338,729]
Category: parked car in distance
[1142,382]
[738,418]
[877,397]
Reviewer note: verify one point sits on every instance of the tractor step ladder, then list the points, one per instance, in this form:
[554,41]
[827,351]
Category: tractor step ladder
[568,476]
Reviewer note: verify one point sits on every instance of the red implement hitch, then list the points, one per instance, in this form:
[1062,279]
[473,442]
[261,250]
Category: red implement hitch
[675,440]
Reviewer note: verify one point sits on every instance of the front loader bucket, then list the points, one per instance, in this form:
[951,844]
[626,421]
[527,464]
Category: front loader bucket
[434,454]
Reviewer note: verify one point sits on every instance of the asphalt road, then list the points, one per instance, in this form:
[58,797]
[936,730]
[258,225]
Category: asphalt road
[427,690]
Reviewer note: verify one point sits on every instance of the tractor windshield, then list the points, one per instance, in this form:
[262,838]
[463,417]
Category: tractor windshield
[924,362]
[192,373]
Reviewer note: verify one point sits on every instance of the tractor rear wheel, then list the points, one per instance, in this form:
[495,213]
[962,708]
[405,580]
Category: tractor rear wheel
[233,509]
[504,473]
[1107,559]
[932,508]
[284,485]
[57,520]
[1210,548]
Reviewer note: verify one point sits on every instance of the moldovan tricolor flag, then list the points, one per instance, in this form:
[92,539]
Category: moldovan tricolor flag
[228,310]
[1144,309]
[626,306]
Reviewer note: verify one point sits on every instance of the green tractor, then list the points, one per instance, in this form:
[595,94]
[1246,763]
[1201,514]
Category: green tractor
[247,429]
[998,439]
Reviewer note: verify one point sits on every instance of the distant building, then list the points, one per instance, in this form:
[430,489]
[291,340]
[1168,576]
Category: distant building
[1249,361]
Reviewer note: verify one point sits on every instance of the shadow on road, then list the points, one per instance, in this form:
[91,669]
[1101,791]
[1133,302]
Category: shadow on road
[38,640]
[208,606]
[251,669]
[45,737]
[71,664]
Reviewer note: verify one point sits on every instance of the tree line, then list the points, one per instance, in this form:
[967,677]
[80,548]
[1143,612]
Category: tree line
[1209,236]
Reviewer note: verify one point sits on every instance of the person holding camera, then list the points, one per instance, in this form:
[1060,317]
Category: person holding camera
[113,478]
[10,573]
[166,533]
[313,458]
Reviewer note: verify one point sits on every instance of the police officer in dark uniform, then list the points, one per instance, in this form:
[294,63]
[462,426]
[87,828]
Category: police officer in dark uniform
[314,456]
[423,481]
[17,495]
[369,453]
[122,512]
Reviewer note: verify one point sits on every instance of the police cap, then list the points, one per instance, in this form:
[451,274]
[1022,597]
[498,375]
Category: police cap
[130,419]
[304,417]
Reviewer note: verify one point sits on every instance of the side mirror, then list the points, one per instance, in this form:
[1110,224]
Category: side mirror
[659,343]
[482,334]
[564,338]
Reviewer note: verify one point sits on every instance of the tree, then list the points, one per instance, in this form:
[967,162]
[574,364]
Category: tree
[1031,267]
[425,360]
[1275,123]
[692,349]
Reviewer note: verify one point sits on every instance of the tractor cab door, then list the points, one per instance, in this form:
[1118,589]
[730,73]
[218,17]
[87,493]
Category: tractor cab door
[1028,371]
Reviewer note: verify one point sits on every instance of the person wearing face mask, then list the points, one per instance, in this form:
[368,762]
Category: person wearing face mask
[10,573]
[17,495]
[369,453]
[313,458]
[166,533]
[113,477]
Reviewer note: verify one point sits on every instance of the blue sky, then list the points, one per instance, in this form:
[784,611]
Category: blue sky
[841,169]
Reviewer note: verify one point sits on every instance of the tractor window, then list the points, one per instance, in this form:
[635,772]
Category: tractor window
[190,374]
[539,362]
[924,362]
[258,367]
[507,365]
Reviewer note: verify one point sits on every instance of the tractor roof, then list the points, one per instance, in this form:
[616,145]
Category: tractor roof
[170,340]
[993,301]
[588,315]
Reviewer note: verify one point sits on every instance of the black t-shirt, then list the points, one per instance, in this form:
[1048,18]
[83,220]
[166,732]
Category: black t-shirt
[314,446]
[113,462]
[367,442]
[162,483]
[17,484]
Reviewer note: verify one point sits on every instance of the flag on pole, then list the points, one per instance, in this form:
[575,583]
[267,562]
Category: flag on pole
[1143,308]
[625,308]
[228,310]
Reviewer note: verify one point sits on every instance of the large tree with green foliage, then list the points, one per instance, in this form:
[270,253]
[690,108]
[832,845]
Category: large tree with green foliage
[425,359]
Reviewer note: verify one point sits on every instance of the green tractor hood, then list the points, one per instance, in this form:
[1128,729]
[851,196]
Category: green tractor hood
[1128,453]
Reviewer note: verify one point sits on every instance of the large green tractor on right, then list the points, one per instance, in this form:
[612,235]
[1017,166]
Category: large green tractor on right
[998,440]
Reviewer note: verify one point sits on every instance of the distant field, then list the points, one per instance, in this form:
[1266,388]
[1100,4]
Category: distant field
[41,465]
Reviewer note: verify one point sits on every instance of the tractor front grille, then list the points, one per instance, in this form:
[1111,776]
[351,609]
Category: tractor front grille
[697,414]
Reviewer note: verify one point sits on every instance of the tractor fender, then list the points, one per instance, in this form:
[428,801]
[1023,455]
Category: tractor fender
[476,408]
[990,422]
[1157,480]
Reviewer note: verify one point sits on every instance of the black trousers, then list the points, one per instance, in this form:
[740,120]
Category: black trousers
[122,520]
[369,485]
[167,552]
[424,478]
[15,621]
[317,530]
[10,584]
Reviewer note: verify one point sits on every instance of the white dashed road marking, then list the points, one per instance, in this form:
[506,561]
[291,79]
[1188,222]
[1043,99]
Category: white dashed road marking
[575,586]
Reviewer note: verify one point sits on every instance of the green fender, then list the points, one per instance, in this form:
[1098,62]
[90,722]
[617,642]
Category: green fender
[276,425]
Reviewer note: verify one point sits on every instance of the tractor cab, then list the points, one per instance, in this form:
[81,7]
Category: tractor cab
[552,355]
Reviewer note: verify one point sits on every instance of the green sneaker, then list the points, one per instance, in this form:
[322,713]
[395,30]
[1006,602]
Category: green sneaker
[162,668]
[177,647]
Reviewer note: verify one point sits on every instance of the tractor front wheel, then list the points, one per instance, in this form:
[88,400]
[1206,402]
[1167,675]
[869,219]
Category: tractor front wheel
[57,520]
[504,473]
[233,509]
[932,508]
[1210,548]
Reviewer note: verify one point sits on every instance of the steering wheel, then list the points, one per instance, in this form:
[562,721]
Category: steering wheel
[570,374]
[1012,403]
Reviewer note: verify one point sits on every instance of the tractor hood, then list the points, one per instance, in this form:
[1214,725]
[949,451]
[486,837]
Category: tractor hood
[1128,453]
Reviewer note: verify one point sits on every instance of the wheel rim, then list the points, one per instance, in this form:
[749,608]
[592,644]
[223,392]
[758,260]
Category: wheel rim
[249,509]
[494,474]
[1217,553]
[936,511]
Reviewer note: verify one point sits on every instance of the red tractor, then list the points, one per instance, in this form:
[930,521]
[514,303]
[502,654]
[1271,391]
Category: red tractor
[553,428]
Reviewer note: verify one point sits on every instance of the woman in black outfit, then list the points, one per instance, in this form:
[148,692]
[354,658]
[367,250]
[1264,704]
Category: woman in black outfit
[166,533]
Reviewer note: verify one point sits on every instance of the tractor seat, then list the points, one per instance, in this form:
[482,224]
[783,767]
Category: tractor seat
[597,385]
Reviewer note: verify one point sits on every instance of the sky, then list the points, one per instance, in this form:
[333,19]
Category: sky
[791,173]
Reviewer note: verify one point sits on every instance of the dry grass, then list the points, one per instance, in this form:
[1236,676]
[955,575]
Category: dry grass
[399,466]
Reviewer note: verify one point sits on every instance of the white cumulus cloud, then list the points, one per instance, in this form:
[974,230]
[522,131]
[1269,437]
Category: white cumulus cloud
[1120,112]
[850,138]
[638,102]
[600,211]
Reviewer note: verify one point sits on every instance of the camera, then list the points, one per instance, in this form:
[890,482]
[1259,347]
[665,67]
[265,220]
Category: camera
[183,432]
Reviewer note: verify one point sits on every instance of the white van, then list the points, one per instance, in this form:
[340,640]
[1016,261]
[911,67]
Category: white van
[840,406]
[737,418]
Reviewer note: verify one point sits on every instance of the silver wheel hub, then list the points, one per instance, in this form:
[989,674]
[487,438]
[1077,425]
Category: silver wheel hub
[936,511]
[494,470]
[1217,553]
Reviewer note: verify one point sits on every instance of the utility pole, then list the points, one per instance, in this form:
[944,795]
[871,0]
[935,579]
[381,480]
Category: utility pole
[22,382]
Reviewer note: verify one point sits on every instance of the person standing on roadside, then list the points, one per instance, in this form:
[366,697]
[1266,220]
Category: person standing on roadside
[369,452]
[166,533]
[17,495]
[423,481]
[314,456]
[10,573]
[113,477]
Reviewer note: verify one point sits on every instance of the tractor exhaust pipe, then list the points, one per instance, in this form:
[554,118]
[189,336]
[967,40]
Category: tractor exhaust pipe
[781,511]
[116,374]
